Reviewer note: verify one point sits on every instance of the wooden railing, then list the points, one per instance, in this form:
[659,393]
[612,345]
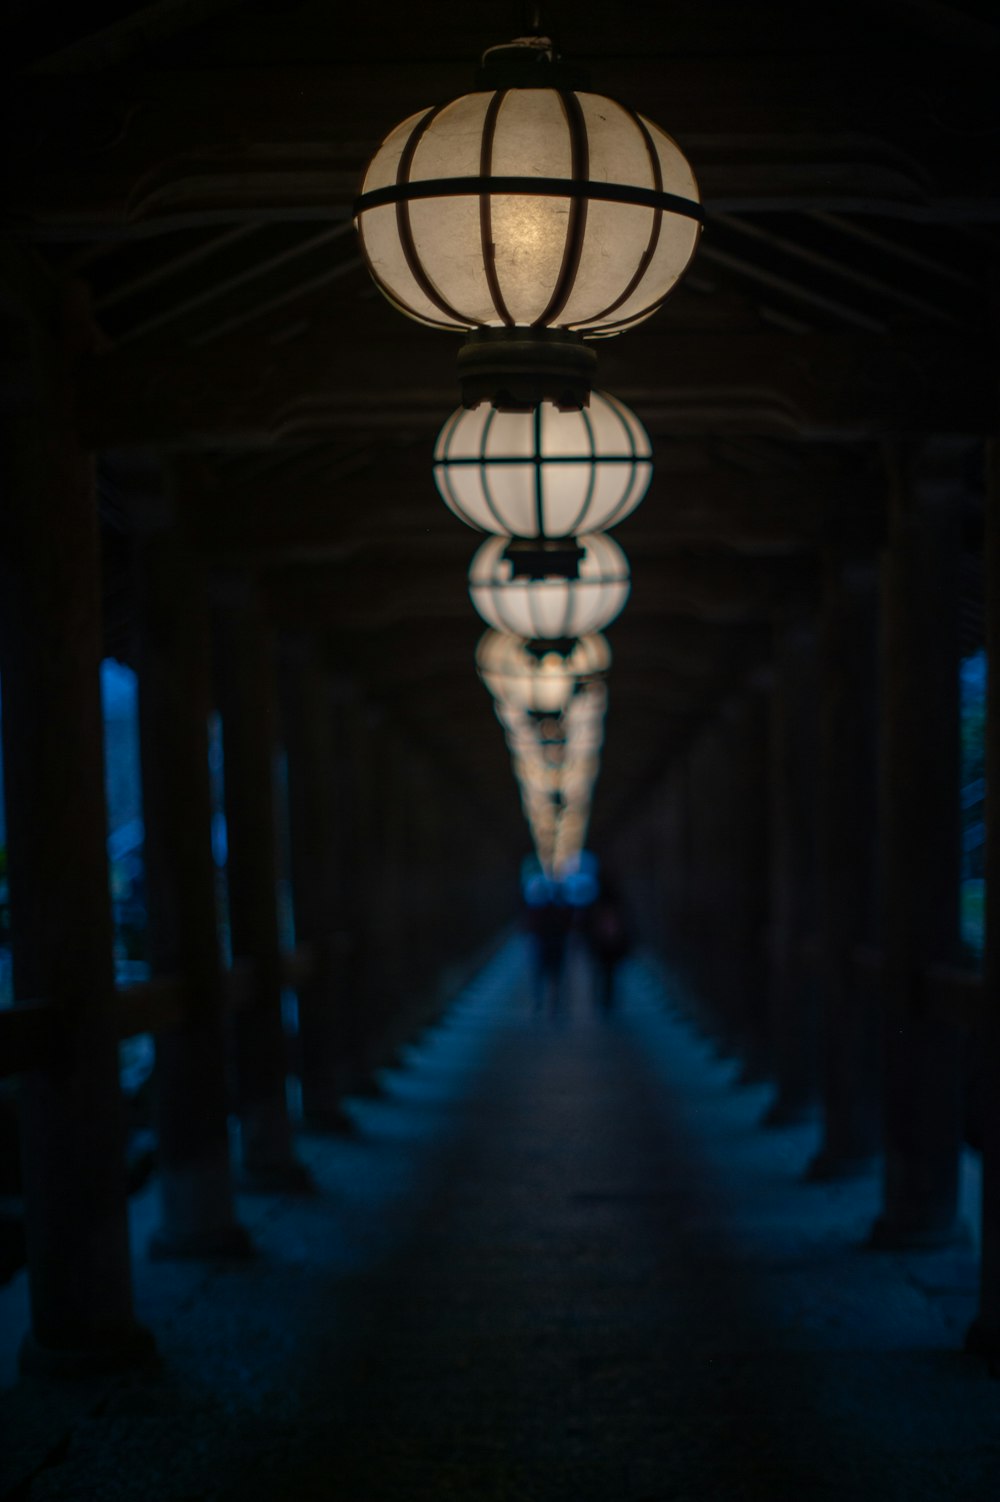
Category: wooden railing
[28,1030]
[947,993]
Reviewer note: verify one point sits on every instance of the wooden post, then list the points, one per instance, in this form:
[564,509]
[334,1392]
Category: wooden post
[984,1335]
[729,843]
[749,890]
[920,835]
[350,773]
[847,846]
[246,697]
[307,715]
[792,1001]
[195,1177]
[71,1117]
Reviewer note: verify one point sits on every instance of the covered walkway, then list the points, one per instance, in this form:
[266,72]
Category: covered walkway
[558,1258]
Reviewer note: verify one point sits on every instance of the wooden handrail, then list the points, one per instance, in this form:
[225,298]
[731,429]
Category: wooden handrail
[954,995]
[948,993]
[151,1006]
[25,1037]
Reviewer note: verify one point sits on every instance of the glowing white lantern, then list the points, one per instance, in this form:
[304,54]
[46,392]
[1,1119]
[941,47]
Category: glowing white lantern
[551,607]
[528,205]
[541,685]
[544,473]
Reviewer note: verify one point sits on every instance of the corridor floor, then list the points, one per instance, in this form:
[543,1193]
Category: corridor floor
[558,1260]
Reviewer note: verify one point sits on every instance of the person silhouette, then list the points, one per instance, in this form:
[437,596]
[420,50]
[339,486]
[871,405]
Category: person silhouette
[607,937]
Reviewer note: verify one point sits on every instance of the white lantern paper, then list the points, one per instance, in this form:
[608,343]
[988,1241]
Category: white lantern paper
[528,207]
[542,685]
[553,607]
[545,473]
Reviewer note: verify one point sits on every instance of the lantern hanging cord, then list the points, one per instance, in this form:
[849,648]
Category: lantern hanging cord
[532,21]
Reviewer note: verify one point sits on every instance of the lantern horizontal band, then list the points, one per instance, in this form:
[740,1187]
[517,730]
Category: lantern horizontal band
[531,187]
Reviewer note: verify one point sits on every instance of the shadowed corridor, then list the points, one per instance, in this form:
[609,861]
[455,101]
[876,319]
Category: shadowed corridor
[559,1258]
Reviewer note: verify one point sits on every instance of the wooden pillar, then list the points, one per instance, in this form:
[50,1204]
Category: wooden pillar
[307,715]
[393,822]
[847,849]
[792,1000]
[195,1178]
[729,852]
[920,837]
[749,889]
[680,956]
[984,1336]
[246,699]
[366,906]
[703,802]
[71,1117]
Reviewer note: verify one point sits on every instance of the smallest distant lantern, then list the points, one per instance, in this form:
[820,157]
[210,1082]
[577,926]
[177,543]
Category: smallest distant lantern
[539,684]
[547,606]
[547,473]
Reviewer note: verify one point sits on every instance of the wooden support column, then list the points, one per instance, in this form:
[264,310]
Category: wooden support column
[729,845]
[356,728]
[794,1023]
[307,714]
[847,850]
[246,698]
[984,1335]
[920,836]
[703,768]
[679,954]
[195,1177]
[71,1118]
[749,906]
[395,976]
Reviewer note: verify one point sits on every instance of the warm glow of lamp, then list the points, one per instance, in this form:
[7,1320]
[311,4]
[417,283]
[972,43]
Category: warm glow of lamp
[550,607]
[528,207]
[528,213]
[544,473]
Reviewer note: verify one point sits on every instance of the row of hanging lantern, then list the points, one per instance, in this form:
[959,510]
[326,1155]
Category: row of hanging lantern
[532,215]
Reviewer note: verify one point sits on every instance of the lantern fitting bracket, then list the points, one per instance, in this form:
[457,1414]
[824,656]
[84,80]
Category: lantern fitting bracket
[515,369]
[544,557]
[541,646]
[530,62]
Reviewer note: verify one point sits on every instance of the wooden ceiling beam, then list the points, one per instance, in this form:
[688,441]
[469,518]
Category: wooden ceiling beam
[751,513]
[842,270]
[222,286]
[240,393]
[385,592]
[836,132]
[795,291]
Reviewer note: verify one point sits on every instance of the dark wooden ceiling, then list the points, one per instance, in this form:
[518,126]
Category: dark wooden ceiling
[193,163]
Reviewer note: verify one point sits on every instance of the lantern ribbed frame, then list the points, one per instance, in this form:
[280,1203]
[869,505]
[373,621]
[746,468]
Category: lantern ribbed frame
[545,473]
[528,208]
[553,607]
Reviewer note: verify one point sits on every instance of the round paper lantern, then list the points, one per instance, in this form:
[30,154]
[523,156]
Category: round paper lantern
[545,473]
[540,685]
[552,607]
[535,207]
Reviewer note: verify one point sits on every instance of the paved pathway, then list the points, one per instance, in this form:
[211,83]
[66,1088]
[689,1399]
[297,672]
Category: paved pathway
[559,1261]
